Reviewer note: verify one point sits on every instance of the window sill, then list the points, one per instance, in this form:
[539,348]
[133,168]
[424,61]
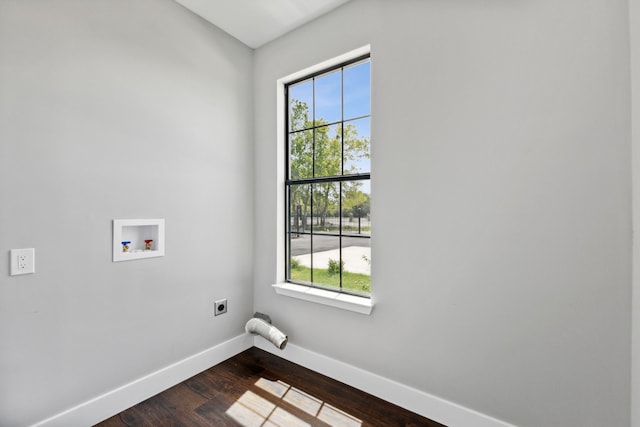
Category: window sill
[321,296]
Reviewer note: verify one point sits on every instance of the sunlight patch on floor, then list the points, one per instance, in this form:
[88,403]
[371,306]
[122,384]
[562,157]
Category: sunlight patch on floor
[253,410]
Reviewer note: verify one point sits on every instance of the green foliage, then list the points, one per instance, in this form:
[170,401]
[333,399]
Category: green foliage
[363,285]
[355,203]
[355,228]
[335,266]
[294,263]
[316,150]
[354,282]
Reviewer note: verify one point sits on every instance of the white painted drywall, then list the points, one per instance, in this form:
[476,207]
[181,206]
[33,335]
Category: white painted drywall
[503,124]
[117,109]
[501,207]
[634,19]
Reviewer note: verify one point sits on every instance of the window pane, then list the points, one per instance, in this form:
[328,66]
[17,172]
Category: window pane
[356,240]
[326,260]
[357,146]
[300,258]
[328,98]
[299,244]
[328,151]
[356,272]
[301,105]
[299,209]
[301,154]
[356,196]
[328,235]
[357,92]
[326,205]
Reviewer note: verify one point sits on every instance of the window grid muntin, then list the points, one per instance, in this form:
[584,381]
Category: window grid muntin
[342,178]
[311,233]
[314,126]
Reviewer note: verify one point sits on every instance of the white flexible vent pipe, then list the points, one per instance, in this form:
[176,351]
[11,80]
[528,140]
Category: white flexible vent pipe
[258,325]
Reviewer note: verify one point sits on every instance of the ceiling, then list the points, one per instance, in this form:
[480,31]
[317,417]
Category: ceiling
[256,22]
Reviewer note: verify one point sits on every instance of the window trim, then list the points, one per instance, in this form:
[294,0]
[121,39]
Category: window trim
[345,301]
[326,296]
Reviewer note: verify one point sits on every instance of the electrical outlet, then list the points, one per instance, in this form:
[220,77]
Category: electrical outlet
[23,261]
[220,307]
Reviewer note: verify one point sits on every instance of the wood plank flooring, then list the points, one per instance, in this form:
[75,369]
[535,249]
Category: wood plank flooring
[256,388]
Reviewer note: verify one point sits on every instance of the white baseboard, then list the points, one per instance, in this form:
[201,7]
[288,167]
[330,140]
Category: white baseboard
[102,407]
[427,405]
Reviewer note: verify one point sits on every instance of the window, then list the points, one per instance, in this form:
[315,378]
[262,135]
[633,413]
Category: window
[328,179]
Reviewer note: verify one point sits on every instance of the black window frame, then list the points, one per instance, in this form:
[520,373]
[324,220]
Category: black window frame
[319,180]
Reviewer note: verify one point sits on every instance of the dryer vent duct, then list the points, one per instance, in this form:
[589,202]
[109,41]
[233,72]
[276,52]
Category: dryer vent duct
[260,324]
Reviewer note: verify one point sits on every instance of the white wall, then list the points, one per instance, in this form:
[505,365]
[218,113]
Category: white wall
[502,128]
[635,129]
[501,203]
[117,109]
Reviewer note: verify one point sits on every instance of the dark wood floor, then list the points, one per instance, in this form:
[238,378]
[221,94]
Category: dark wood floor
[256,388]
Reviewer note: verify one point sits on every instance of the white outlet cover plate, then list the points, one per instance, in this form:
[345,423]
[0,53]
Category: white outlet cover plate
[29,266]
